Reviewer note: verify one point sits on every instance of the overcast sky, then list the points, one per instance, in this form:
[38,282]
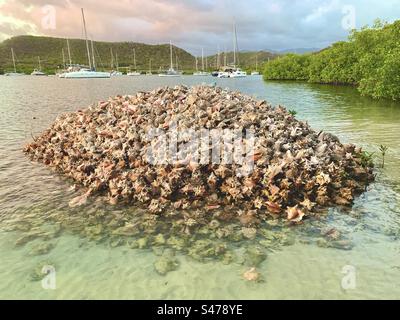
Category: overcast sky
[192,24]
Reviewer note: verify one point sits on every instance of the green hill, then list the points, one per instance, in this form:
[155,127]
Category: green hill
[28,48]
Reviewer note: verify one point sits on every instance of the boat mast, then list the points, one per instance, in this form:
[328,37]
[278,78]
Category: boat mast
[13,59]
[235,46]
[134,58]
[197,65]
[116,61]
[225,57]
[170,52]
[112,59]
[256,62]
[63,57]
[40,67]
[218,58]
[150,66]
[93,62]
[69,53]
[86,38]
[202,59]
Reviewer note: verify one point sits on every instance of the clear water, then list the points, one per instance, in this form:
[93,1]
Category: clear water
[32,198]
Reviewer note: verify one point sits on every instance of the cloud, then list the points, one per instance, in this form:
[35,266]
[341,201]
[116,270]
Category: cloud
[261,24]
[322,10]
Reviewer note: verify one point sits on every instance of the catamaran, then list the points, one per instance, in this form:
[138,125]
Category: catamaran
[237,73]
[15,73]
[87,73]
[233,71]
[202,72]
[171,72]
[38,72]
[134,73]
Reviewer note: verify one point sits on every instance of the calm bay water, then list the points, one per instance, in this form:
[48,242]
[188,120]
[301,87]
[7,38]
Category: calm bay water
[90,270]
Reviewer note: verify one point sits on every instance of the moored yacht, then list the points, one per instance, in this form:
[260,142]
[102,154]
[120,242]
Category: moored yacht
[116,72]
[238,73]
[171,72]
[86,73]
[149,73]
[134,73]
[90,72]
[38,72]
[256,73]
[15,73]
[202,72]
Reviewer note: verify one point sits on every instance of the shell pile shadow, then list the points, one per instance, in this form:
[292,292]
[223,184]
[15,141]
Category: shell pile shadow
[296,172]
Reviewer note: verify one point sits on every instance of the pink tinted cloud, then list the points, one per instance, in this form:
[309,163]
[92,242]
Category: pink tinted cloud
[106,20]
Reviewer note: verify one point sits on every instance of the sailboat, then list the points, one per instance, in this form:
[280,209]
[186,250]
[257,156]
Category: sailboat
[232,71]
[91,71]
[149,73]
[115,72]
[15,73]
[171,72]
[38,72]
[256,73]
[237,72]
[134,73]
[217,64]
[70,67]
[202,72]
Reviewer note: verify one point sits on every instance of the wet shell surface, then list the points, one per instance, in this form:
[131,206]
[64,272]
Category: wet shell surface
[296,171]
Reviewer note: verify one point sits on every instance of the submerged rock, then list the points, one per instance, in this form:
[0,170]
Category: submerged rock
[39,271]
[159,240]
[204,248]
[166,262]
[253,256]
[41,248]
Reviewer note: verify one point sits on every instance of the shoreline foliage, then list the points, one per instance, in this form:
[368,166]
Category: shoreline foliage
[369,60]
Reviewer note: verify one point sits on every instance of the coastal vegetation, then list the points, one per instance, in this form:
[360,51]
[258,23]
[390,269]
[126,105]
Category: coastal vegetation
[369,60]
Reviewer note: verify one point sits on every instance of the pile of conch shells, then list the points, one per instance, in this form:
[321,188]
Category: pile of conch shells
[296,172]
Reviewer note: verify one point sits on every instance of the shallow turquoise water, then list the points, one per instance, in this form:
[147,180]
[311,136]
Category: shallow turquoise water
[30,195]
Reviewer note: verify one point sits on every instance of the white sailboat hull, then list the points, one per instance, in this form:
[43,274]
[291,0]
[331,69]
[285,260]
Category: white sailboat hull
[14,74]
[201,73]
[38,73]
[237,75]
[133,74]
[84,74]
[168,75]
